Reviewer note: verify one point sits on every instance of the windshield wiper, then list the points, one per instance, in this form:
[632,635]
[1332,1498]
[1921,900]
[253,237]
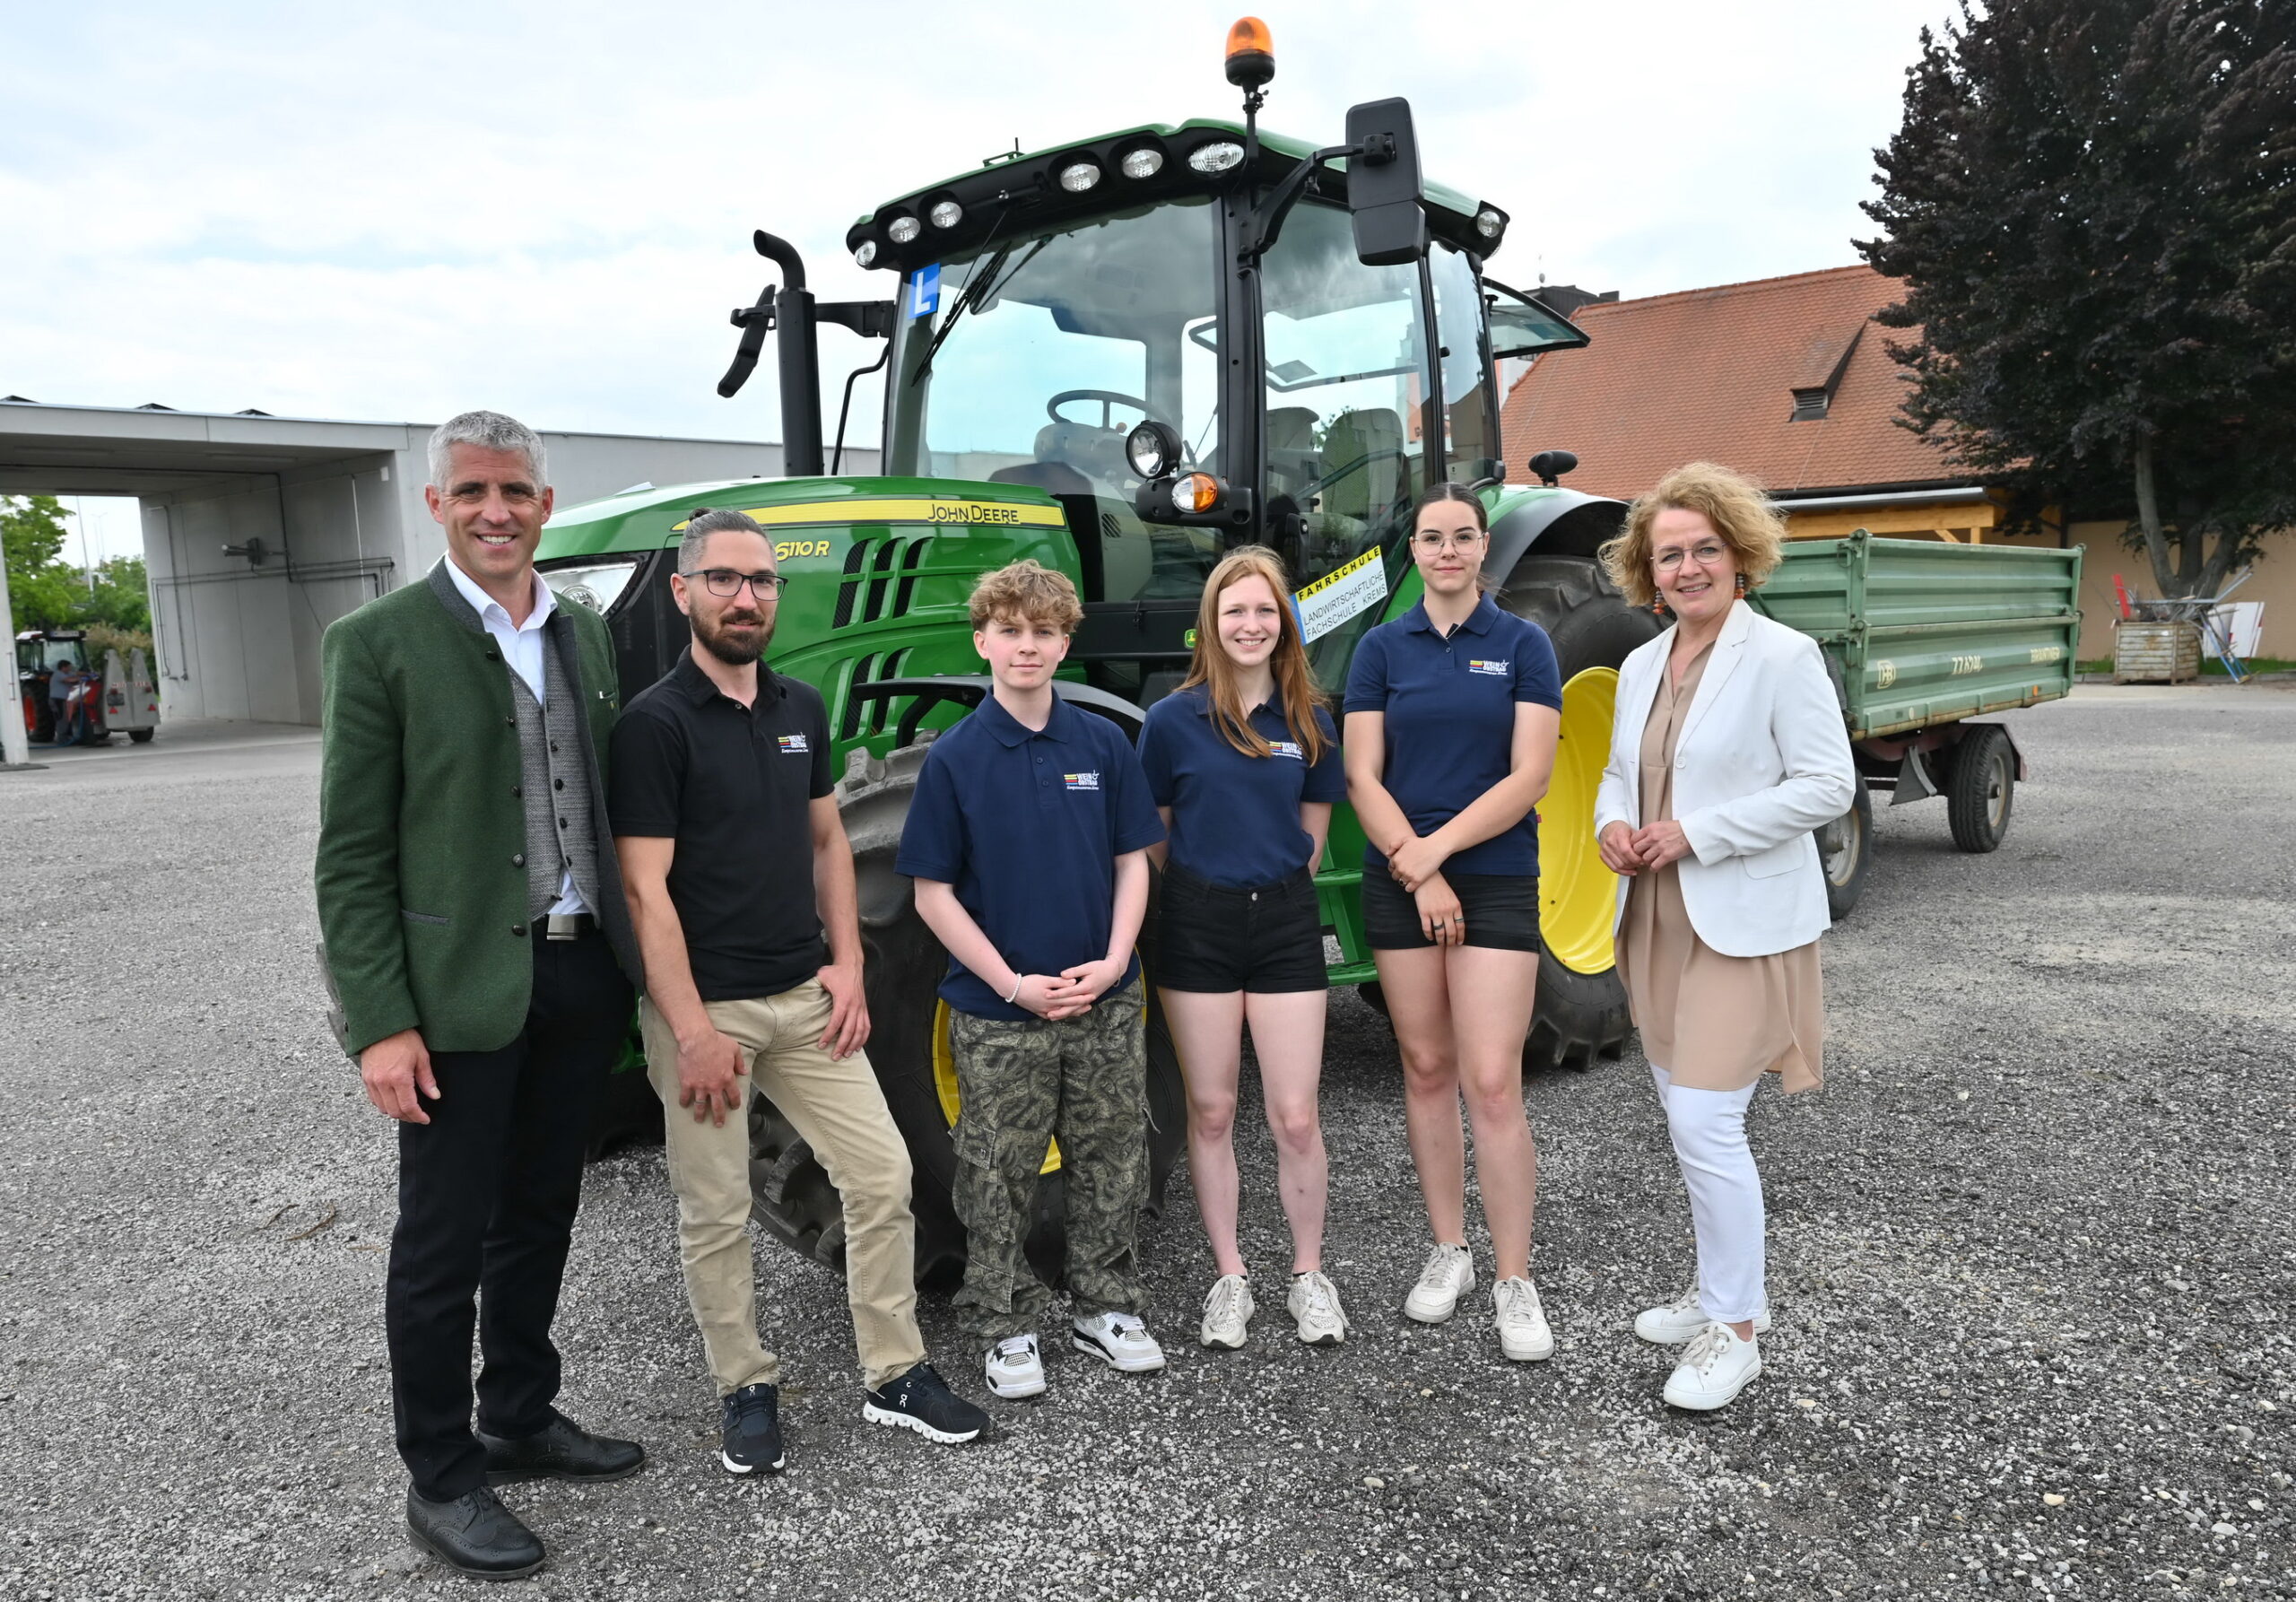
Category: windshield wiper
[985,274]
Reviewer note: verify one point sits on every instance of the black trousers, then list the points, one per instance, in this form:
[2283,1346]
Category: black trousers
[487,1193]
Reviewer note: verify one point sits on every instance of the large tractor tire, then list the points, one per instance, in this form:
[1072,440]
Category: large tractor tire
[908,1047]
[1581,1013]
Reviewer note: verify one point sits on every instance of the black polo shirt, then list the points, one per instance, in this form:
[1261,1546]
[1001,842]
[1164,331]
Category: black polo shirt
[731,785]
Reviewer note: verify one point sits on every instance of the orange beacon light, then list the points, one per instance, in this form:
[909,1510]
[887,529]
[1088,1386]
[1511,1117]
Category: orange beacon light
[1251,53]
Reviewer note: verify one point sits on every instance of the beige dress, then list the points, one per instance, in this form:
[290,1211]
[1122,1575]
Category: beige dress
[1712,1022]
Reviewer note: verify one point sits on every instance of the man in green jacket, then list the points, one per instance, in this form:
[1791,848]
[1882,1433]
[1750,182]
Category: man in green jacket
[482,951]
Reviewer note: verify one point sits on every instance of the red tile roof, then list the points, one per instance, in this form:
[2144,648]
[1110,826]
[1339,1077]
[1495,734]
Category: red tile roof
[1709,374]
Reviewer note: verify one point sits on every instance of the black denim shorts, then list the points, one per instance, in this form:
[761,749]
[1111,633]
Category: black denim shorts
[1502,911]
[1268,940]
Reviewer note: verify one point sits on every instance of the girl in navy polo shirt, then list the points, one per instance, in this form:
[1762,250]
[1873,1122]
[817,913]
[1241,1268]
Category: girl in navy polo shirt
[1244,766]
[1452,712]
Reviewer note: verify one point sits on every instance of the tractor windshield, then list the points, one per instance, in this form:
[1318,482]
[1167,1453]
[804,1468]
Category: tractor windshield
[1051,347]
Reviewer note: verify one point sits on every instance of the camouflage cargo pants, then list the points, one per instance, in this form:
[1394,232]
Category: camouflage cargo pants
[1020,1083]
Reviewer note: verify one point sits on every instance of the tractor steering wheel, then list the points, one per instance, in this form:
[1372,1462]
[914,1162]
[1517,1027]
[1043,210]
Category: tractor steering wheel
[1107,398]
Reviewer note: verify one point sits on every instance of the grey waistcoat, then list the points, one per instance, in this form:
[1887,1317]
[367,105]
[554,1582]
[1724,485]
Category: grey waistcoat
[560,830]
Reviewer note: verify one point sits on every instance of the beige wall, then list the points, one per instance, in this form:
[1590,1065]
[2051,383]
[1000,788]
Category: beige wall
[2274,582]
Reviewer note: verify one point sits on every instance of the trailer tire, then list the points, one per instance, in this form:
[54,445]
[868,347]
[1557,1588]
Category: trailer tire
[142,736]
[1982,787]
[903,962]
[1845,852]
[1580,1015]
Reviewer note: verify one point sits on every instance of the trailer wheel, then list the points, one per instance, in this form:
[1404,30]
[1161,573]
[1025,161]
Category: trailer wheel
[1844,848]
[1581,1012]
[141,737]
[909,1047]
[1982,787]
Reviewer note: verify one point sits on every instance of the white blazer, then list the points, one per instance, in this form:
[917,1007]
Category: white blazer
[1762,759]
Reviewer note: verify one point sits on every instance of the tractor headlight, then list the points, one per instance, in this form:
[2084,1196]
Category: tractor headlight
[1080,176]
[947,214]
[901,230]
[866,254]
[1151,449]
[1489,223]
[1216,157]
[1146,162]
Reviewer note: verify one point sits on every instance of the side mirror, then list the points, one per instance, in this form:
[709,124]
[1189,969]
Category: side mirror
[1384,190]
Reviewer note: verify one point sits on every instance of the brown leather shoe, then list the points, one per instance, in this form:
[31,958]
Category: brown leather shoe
[475,1534]
[560,1449]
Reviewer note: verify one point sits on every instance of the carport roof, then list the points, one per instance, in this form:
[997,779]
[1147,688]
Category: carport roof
[108,450]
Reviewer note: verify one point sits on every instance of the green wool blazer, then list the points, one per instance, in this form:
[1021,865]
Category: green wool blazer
[420,874]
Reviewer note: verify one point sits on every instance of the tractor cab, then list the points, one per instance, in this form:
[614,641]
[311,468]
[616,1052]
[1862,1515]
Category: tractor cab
[1179,335]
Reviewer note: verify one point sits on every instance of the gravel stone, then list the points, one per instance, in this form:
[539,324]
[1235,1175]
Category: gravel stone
[2033,1257]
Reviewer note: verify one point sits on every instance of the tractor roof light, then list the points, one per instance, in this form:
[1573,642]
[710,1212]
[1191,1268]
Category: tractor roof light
[1145,162]
[866,254]
[1490,222]
[946,213]
[1080,176]
[1251,53]
[1218,156]
[903,228]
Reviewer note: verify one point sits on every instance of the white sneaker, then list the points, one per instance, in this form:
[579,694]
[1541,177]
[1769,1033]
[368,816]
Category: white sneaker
[1681,1319]
[1717,1366]
[1120,1340]
[1314,1305]
[1523,1333]
[1448,1276]
[1015,1368]
[1227,1313]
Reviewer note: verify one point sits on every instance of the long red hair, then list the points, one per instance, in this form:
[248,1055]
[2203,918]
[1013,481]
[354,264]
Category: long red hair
[1295,684]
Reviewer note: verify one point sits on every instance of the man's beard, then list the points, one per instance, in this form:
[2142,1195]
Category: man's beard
[711,634]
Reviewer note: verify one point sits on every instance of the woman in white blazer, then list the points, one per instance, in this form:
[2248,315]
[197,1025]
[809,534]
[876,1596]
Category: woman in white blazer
[1727,750]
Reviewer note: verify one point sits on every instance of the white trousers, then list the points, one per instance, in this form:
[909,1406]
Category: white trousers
[1709,1133]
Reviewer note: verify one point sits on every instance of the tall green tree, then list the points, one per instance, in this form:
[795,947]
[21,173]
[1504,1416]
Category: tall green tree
[2091,204]
[43,590]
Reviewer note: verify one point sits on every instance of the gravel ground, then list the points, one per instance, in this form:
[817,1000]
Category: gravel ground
[2031,1263]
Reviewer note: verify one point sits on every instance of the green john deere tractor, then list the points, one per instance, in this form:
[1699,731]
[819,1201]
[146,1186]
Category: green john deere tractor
[1122,357]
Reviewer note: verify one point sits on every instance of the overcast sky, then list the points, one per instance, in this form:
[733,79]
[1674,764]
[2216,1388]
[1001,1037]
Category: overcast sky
[395,212]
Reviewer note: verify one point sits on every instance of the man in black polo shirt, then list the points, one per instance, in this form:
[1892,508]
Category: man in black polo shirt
[733,859]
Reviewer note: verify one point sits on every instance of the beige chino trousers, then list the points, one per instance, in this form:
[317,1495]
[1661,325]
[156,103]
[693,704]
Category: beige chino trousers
[838,1110]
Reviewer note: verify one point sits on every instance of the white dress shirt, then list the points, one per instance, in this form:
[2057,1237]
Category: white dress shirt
[521,645]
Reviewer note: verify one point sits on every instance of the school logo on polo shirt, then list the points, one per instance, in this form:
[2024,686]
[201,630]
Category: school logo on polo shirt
[1082,781]
[1290,748]
[1498,670]
[795,745]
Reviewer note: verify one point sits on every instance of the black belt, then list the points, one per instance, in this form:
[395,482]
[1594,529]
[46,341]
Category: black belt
[1244,893]
[568,926]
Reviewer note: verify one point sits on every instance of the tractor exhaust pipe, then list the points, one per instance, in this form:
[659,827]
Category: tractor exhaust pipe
[800,359]
[790,308]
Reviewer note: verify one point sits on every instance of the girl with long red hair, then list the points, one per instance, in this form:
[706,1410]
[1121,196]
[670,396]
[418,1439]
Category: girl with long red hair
[1244,765]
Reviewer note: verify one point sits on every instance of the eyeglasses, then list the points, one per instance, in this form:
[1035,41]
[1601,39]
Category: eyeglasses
[725,583]
[1432,543]
[1706,553]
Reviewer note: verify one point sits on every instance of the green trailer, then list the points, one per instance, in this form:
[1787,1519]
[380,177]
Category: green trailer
[1920,637]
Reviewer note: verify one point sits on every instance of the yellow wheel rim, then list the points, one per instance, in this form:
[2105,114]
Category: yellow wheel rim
[1578,895]
[944,1081]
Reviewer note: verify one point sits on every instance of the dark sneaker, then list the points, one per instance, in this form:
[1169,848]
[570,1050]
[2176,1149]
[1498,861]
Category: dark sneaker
[922,1401]
[475,1534]
[750,1422]
[560,1449]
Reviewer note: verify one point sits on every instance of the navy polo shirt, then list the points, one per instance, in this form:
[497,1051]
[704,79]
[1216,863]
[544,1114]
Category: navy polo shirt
[1451,720]
[1236,818]
[1027,825]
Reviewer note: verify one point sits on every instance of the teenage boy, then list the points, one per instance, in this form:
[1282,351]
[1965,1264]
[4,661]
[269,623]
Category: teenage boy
[735,858]
[1028,840]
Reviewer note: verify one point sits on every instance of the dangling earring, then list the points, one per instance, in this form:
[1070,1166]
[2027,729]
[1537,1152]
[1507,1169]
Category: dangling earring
[1741,584]
[1657,608]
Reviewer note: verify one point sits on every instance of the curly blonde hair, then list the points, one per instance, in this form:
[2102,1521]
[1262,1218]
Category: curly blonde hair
[1734,503]
[1028,592]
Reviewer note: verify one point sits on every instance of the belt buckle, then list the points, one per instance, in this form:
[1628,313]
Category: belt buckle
[563,925]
